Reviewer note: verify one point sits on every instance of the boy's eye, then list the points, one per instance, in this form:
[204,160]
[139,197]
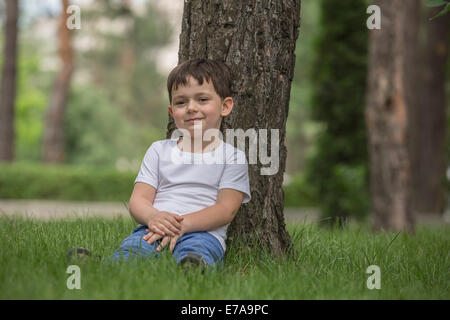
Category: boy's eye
[179,102]
[203,99]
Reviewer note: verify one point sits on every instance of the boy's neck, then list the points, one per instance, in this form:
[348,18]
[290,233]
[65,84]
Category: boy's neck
[198,146]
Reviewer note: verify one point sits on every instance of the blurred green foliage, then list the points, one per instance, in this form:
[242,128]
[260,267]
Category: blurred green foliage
[28,180]
[299,192]
[124,65]
[338,166]
[97,133]
[117,104]
[120,108]
[64,182]
[445,4]
[349,185]
[300,128]
[31,99]
[30,105]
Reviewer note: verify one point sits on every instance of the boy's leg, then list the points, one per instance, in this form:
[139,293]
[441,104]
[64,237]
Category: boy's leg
[201,243]
[134,247]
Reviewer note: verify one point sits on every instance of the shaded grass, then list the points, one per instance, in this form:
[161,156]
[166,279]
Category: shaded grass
[327,264]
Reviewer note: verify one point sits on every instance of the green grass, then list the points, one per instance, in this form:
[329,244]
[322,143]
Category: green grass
[327,265]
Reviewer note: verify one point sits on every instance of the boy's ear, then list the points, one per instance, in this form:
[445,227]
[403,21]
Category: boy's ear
[170,110]
[227,106]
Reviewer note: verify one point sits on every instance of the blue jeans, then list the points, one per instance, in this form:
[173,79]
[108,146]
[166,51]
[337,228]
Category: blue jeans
[202,243]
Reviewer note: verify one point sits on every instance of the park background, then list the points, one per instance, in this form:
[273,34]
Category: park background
[116,106]
[117,101]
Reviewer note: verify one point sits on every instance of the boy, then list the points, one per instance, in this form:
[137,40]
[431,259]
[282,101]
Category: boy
[188,205]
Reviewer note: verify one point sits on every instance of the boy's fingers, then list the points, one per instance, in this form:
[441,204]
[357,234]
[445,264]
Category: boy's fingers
[164,229]
[176,216]
[175,226]
[170,230]
[148,235]
[153,238]
[174,230]
[175,223]
[163,243]
[155,229]
[173,242]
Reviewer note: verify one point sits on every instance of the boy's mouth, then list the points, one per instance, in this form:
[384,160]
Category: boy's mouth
[194,119]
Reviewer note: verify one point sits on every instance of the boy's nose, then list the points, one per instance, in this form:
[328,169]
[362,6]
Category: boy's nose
[192,105]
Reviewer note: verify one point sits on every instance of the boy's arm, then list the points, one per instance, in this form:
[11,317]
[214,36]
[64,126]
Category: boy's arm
[141,202]
[210,218]
[215,216]
[142,210]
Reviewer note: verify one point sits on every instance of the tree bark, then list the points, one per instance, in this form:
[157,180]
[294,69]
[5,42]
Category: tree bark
[8,86]
[428,147]
[256,39]
[390,83]
[53,143]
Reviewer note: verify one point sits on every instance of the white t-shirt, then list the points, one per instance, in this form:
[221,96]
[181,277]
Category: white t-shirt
[187,182]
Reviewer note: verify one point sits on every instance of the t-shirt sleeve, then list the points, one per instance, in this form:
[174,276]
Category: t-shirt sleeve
[148,172]
[235,176]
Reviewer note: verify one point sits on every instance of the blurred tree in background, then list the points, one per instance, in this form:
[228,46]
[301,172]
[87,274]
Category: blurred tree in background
[429,113]
[53,142]
[117,103]
[8,80]
[338,167]
[391,95]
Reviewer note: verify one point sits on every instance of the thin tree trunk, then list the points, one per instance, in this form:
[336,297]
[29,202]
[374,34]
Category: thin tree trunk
[54,132]
[257,41]
[390,84]
[8,86]
[430,119]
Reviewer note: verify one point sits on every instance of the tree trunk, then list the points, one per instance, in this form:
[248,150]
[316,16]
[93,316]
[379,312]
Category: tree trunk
[390,84]
[54,132]
[429,161]
[257,42]
[8,86]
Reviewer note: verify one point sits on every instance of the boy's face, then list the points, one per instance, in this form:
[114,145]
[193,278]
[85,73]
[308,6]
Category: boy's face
[198,106]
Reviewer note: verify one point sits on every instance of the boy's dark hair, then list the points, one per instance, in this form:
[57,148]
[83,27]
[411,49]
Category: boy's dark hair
[201,69]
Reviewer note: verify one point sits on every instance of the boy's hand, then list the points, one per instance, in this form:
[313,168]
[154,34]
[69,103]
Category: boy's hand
[152,237]
[165,224]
